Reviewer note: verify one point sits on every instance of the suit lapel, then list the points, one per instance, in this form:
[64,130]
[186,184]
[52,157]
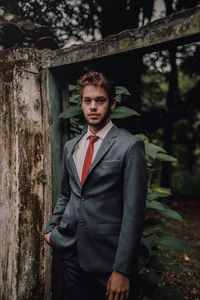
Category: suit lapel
[105,146]
[71,159]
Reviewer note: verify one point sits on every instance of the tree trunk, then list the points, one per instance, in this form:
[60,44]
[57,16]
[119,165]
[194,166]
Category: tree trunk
[172,98]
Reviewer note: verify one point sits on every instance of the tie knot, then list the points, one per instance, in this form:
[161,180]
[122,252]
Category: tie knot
[93,138]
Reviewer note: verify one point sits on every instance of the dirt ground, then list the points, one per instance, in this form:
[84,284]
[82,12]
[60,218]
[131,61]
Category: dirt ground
[187,281]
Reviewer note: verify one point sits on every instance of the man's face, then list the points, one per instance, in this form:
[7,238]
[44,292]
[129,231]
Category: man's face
[96,106]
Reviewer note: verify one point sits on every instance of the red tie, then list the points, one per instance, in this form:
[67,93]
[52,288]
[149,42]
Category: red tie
[88,157]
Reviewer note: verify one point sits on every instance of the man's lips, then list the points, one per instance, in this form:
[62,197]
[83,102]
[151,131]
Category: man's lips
[93,115]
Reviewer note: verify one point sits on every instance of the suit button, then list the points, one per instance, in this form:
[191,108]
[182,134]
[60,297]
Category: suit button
[81,223]
[83,197]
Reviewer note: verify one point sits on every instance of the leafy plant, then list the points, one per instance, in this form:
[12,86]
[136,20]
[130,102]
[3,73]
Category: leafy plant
[155,242]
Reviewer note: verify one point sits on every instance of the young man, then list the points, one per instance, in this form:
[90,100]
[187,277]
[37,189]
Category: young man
[97,222]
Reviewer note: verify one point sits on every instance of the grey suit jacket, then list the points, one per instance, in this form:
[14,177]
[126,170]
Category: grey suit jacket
[105,216]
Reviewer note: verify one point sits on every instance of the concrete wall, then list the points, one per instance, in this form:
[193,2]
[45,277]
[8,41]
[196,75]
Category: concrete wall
[25,178]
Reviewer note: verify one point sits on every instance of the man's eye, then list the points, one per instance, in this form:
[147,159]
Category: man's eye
[87,101]
[101,100]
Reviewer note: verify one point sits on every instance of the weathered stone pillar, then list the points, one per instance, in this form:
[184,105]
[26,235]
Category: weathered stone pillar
[25,177]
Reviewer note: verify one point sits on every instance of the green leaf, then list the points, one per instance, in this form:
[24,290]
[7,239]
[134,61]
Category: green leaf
[151,230]
[167,293]
[163,190]
[168,262]
[152,278]
[121,112]
[121,90]
[165,157]
[164,210]
[150,241]
[70,112]
[172,214]
[157,152]
[75,130]
[156,205]
[76,99]
[76,122]
[170,242]
[158,192]
[141,136]
[154,263]
[152,226]
[175,267]
[155,195]
[165,259]
[73,87]
[152,150]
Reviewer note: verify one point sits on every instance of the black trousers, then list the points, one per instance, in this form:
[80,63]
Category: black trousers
[81,285]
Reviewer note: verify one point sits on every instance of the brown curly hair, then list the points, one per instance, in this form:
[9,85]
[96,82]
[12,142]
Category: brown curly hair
[97,79]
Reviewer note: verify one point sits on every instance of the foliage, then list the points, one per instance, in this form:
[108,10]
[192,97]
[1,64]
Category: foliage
[75,21]
[155,241]
[187,280]
[69,19]
[85,20]
[181,113]
[186,183]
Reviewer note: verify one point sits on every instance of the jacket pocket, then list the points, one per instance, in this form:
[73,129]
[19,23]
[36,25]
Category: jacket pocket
[110,163]
[109,228]
[64,225]
[52,236]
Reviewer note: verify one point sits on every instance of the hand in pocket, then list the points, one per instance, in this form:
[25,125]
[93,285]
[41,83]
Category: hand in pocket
[47,238]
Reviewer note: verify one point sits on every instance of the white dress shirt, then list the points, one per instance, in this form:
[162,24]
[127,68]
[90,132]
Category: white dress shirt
[81,147]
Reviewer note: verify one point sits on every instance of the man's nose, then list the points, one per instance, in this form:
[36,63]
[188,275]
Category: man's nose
[93,105]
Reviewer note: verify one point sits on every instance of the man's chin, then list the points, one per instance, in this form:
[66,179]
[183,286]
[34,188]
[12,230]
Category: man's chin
[98,123]
[94,123]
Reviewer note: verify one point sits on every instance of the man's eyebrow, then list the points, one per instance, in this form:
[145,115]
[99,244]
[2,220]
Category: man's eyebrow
[87,98]
[98,97]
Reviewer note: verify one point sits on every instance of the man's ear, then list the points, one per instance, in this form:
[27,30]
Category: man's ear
[80,104]
[113,104]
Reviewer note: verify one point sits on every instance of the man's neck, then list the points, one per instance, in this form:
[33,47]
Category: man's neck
[95,130]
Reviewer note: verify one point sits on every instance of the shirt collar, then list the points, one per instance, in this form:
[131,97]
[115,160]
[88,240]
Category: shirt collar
[101,133]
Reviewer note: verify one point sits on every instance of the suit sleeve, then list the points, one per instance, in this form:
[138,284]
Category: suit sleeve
[62,200]
[134,208]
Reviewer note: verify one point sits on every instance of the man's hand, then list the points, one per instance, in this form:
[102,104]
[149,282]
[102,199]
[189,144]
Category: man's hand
[118,286]
[47,238]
